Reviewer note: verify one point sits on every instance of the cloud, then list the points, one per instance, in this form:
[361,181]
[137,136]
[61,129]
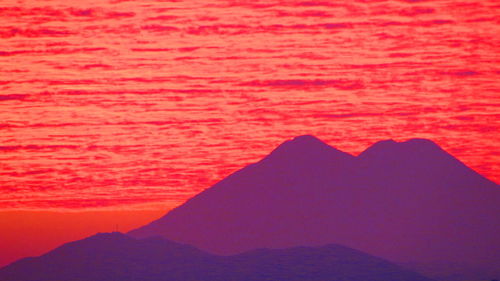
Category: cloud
[12,97]
[302,83]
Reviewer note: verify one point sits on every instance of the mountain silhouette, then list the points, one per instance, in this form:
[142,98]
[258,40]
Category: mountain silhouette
[115,256]
[409,202]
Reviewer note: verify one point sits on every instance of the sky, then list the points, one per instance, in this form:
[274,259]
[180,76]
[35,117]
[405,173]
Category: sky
[114,112]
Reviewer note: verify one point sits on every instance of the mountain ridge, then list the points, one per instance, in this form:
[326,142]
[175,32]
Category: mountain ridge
[420,202]
[116,256]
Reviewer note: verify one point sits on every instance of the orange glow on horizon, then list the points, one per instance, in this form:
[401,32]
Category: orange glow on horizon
[32,233]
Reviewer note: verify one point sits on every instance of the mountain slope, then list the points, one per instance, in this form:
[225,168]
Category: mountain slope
[115,256]
[409,202]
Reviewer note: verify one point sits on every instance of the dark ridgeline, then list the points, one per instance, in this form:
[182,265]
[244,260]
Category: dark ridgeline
[409,202]
[115,256]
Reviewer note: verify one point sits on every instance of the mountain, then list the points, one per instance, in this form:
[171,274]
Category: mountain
[409,202]
[115,256]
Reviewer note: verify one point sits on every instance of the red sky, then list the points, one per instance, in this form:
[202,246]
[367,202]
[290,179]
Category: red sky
[119,105]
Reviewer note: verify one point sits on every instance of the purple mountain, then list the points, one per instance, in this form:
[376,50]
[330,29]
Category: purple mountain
[409,202]
[115,256]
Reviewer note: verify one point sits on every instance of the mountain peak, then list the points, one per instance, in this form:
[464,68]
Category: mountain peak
[305,141]
[391,147]
[305,146]
[420,142]
[305,138]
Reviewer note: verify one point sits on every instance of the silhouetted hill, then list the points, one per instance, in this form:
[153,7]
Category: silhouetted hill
[115,256]
[409,202]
